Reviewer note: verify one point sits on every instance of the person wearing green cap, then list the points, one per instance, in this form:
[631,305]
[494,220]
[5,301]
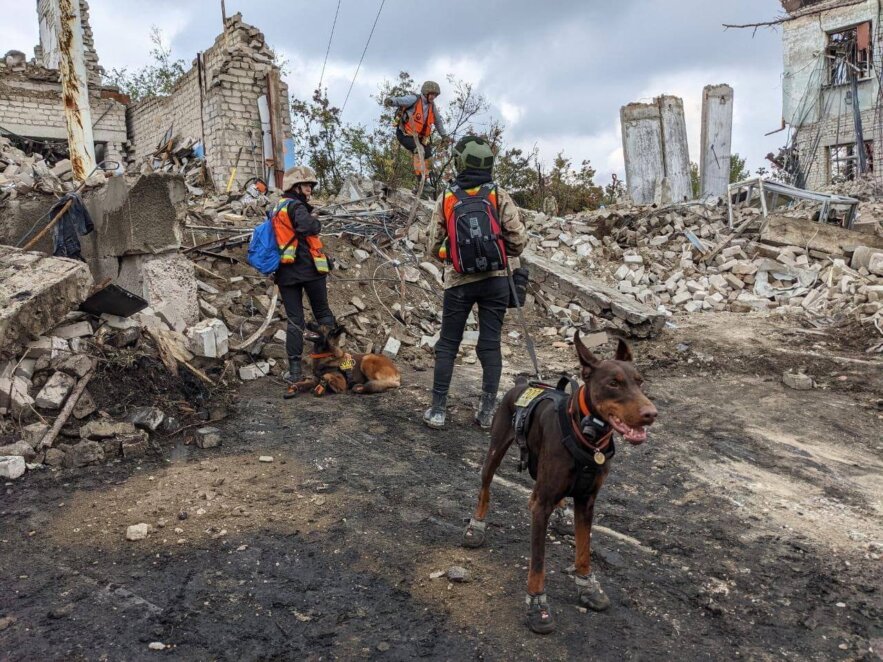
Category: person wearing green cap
[477,278]
[416,119]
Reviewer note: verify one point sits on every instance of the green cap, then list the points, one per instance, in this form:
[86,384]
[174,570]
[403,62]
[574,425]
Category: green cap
[473,152]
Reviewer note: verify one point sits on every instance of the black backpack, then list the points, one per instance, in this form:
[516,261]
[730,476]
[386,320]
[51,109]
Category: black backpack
[474,232]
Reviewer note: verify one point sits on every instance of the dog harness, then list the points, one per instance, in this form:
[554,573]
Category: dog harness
[590,443]
[345,367]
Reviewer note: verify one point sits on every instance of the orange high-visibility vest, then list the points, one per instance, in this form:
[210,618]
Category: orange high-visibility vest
[287,240]
[421,119]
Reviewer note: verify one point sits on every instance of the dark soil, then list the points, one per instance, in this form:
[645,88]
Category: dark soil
[746,528]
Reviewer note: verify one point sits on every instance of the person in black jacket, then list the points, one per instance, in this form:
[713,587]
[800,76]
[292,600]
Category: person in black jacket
[304,266]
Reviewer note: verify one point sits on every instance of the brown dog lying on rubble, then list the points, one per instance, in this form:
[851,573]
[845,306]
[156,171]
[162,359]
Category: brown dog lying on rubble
[566,441]
[338,371]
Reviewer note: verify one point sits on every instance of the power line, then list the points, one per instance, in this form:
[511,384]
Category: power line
[328,50]
[353,82]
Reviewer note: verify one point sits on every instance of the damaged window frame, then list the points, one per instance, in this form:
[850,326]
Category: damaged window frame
[845,56]
[845,167]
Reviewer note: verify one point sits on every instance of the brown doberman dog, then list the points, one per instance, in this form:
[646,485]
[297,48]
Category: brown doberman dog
[568,440]
[338,371]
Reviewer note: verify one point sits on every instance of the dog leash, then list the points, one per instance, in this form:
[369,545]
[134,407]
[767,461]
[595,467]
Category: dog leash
[528,341]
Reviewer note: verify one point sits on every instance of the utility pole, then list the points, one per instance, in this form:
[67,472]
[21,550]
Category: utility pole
[75,90]
[223,14]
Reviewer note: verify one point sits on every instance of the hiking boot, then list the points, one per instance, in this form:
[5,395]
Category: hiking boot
[590,593]
[434,417]
[486,407]
[294,373]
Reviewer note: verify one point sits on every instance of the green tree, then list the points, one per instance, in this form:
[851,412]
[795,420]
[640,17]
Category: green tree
[156,79]
[694,180]
[738,171]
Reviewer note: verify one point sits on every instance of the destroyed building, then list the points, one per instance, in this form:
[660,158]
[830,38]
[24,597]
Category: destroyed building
[231,103]
[31,108]
[830,89]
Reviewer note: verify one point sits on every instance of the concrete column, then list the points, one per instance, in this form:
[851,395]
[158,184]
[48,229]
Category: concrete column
[47,14]
[676,154]
[642,149]
[717,139]
[75,90]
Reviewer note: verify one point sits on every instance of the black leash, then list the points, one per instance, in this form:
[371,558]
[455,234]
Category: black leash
[528,341]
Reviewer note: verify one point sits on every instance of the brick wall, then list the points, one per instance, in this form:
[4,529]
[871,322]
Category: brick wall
[235,70]
[30,105]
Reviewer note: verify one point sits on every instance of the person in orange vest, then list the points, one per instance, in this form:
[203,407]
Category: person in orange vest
[303,267]
[418,116]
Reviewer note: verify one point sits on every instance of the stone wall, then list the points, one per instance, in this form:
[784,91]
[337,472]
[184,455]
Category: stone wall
[235,76]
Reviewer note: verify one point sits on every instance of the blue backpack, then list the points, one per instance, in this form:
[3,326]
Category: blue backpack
[263,251]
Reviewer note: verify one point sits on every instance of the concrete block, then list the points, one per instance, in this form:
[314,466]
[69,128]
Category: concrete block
[14,395]
[137,532]
[208,437]
[55,391]
[75,330]
[20,448]
[33,434]
[12,467]
[84,454]
[105,429]
[798,381]
[147,418]
[76,365]
[392,347]
[51,347]
[254,371]
[209,338]
[36,292]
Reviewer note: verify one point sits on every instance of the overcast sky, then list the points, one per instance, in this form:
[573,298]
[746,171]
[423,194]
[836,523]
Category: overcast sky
[556,73]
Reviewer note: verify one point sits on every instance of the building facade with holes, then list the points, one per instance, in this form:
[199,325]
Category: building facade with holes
[831,89]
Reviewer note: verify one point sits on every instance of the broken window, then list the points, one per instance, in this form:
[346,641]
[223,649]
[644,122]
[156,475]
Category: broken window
[843,161]
[849,53]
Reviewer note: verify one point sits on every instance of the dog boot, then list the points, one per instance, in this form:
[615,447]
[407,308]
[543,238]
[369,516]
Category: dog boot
[434,417]
[539,617]
[486,406]
[590,593]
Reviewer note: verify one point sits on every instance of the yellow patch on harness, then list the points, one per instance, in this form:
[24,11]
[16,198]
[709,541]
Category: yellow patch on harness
[529,396]
[347,362]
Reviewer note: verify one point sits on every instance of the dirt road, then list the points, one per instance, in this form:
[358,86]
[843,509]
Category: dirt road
[748,527]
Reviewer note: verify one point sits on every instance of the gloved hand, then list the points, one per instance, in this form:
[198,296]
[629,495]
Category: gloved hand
[388,102]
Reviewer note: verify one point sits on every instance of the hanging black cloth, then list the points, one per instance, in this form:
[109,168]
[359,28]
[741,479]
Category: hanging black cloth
[75,223]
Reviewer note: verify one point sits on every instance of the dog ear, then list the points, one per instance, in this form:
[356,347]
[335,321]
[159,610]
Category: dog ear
[337,331]
[623,351]
[587,360]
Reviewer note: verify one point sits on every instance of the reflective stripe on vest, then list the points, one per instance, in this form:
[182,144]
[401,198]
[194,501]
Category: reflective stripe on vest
[420,119]
[287,240]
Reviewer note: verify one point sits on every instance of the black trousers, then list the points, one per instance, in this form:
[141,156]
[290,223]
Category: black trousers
[409,144]
[293,300]
[492,297]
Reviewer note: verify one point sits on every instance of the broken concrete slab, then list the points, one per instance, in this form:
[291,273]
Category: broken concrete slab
[105,429]
[84,454]
[14,396]
[831,239]
[36,292]
[147,418]
[12,467]
[76,330]
[167,281]
[209,338]
[641,320]
[20,448]
[55,391]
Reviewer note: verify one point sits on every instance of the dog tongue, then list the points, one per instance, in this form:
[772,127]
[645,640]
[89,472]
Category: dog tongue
[632,435]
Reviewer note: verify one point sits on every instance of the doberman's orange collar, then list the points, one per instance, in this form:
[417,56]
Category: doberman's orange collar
[323,355]
[581,397]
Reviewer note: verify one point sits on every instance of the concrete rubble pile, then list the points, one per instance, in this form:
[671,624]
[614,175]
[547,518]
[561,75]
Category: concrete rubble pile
[667,258]
[23,174]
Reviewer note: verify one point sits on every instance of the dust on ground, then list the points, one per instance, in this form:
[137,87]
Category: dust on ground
[749,526]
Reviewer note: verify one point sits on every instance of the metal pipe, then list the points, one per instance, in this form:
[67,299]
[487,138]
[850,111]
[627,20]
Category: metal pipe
[75,90]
